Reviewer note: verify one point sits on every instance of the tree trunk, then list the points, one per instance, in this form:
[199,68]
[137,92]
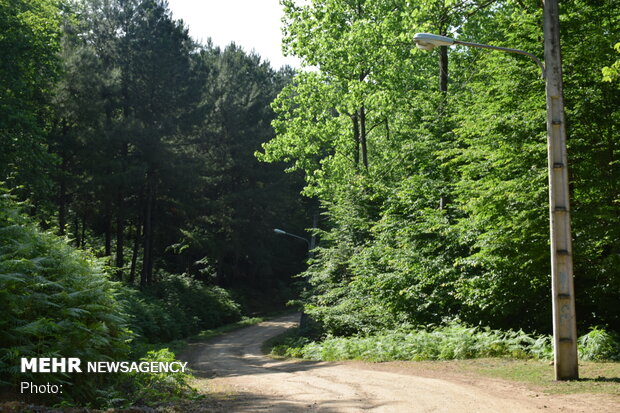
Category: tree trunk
[62,192]
[120,218]
[443,68]
[356,139]
[134,254]
[76,230]
[83,237]
[108,229]
[146,252]
[62,200]
[147,258]
[120,235]
[363,136]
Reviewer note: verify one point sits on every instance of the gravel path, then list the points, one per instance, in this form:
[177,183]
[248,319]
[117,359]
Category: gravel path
[248,381]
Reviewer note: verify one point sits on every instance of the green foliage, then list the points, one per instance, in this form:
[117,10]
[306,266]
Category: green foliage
[30,42]
[599,345]
[289,344]
[178,306]
[453,341]
[155,135]
[594,145]
[233,202]
[55,301]
[611,73]
[149,388]
[137,142]
[436,202]
[214,332]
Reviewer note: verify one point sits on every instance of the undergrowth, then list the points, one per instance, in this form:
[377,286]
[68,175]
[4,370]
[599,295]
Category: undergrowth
[451,341]
[177,307]
[57,301]
[154,387]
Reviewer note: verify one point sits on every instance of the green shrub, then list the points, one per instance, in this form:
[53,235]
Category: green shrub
[178,306]
[599,345]
[55,301]
[149,388]
[289,344]
[452,341]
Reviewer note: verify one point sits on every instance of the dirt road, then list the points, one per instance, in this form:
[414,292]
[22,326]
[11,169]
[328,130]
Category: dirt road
[248,381]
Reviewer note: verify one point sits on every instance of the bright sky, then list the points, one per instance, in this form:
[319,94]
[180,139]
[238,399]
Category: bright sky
[251,24]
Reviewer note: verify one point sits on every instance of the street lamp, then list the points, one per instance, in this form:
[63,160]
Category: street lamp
[562,290]
[282,232]
[428,41]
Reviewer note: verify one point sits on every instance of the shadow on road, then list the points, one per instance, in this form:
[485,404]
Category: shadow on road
[253,365]
[238,356]
[245,402]
[239,353]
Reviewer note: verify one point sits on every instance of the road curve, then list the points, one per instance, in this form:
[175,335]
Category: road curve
[235,365]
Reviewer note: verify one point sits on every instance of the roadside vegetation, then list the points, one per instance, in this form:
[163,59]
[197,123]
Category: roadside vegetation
[58,301]
[448,342]
[178,307]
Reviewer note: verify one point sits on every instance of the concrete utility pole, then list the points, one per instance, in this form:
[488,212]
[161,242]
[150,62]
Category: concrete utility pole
[562,290]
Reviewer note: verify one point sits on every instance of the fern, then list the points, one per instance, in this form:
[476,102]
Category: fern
[55,301]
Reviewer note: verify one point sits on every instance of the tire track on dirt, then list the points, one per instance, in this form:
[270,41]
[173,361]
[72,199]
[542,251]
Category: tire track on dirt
[253,382]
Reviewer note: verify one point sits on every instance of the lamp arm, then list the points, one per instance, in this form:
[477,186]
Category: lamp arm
[297,236]
[506,49]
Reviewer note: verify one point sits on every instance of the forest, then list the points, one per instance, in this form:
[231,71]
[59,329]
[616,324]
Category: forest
[431,168]
[142,174]
[133,207]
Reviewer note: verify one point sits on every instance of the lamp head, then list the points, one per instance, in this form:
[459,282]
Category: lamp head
[279,231]
[428,41]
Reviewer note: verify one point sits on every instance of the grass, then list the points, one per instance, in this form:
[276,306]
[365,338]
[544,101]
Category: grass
[595,377]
